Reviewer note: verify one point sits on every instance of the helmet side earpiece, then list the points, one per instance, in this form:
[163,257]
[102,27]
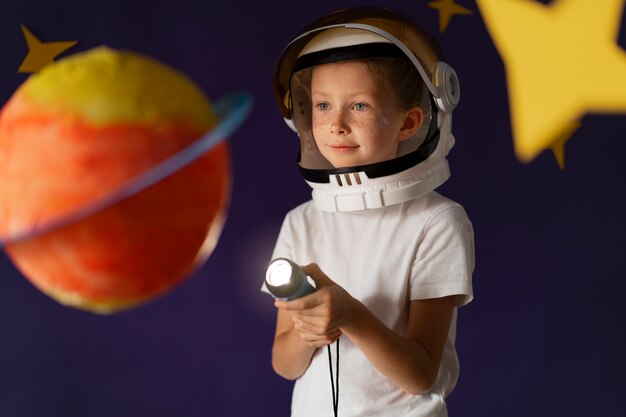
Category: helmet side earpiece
[446,82]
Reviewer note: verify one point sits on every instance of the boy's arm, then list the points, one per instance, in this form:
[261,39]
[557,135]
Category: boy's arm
[292,350]
[411,361]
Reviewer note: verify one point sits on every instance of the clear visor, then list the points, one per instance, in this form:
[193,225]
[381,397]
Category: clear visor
[301,106]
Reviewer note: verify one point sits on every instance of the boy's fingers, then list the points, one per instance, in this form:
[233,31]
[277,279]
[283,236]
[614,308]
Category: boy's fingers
[320,278]
[300,305]
[318,343]
[314,333]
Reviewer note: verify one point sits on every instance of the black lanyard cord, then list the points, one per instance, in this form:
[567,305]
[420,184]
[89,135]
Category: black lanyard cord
[334,383]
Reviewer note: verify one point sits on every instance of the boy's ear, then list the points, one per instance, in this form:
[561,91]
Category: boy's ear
[412,121]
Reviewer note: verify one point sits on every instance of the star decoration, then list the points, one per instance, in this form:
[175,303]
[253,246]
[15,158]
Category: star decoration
[41,53]
[562,61]
[447,9]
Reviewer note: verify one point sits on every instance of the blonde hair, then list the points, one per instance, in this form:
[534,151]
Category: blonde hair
[400,77]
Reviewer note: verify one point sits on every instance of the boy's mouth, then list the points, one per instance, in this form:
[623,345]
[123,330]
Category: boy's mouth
[342,147]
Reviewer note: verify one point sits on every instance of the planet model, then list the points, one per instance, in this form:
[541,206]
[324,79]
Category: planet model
[102,205]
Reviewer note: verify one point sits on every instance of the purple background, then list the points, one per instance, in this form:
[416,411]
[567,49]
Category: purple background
[543,337]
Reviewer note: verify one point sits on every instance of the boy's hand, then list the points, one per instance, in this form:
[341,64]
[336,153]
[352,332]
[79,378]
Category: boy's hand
[318,317]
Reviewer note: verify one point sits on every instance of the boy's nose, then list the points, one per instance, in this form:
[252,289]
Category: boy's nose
[339,125]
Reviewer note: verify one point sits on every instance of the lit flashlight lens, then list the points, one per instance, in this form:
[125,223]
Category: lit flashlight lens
[279,273]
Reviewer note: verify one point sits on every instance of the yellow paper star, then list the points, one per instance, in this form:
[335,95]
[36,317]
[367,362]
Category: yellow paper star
[561,61]
[558,144]
[447,9]
[41,53]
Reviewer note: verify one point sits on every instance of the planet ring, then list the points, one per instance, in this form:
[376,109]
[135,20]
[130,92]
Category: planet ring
[231,111]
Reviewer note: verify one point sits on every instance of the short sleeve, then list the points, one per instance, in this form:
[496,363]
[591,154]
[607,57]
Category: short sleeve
[444,260]
[283,247]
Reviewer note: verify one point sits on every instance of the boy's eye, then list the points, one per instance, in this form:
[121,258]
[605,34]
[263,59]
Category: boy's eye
[322,106]
[359,106]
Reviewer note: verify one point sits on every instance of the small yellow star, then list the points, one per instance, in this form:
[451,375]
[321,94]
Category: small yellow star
[447,9]
[561,61]
[41,53]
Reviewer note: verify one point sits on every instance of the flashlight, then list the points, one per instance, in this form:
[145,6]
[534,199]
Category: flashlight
[287,281]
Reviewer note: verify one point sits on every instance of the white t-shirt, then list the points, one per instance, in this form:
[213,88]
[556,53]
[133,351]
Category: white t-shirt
[420,249]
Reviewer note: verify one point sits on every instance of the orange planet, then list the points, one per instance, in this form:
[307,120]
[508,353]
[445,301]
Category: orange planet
[75,133]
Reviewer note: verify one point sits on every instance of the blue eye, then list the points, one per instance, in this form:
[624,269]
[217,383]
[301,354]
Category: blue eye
[322,106]
[359,106]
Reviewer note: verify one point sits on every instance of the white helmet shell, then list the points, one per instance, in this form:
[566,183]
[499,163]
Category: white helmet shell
[420,165]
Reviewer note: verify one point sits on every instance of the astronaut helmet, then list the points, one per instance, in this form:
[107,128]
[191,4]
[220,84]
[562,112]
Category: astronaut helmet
[370,33]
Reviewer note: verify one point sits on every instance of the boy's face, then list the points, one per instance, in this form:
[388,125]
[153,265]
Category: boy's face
[355,120]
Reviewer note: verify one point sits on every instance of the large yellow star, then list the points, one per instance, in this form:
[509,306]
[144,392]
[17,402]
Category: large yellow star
[41,53]
[561,61]
[447,9]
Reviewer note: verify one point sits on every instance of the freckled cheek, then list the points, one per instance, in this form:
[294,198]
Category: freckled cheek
[375,126]
[320,121]
[319,129]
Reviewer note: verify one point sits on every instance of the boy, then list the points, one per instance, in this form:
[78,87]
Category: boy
[391,258]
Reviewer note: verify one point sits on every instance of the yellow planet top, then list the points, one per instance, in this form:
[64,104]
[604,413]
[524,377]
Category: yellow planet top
[103,86]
